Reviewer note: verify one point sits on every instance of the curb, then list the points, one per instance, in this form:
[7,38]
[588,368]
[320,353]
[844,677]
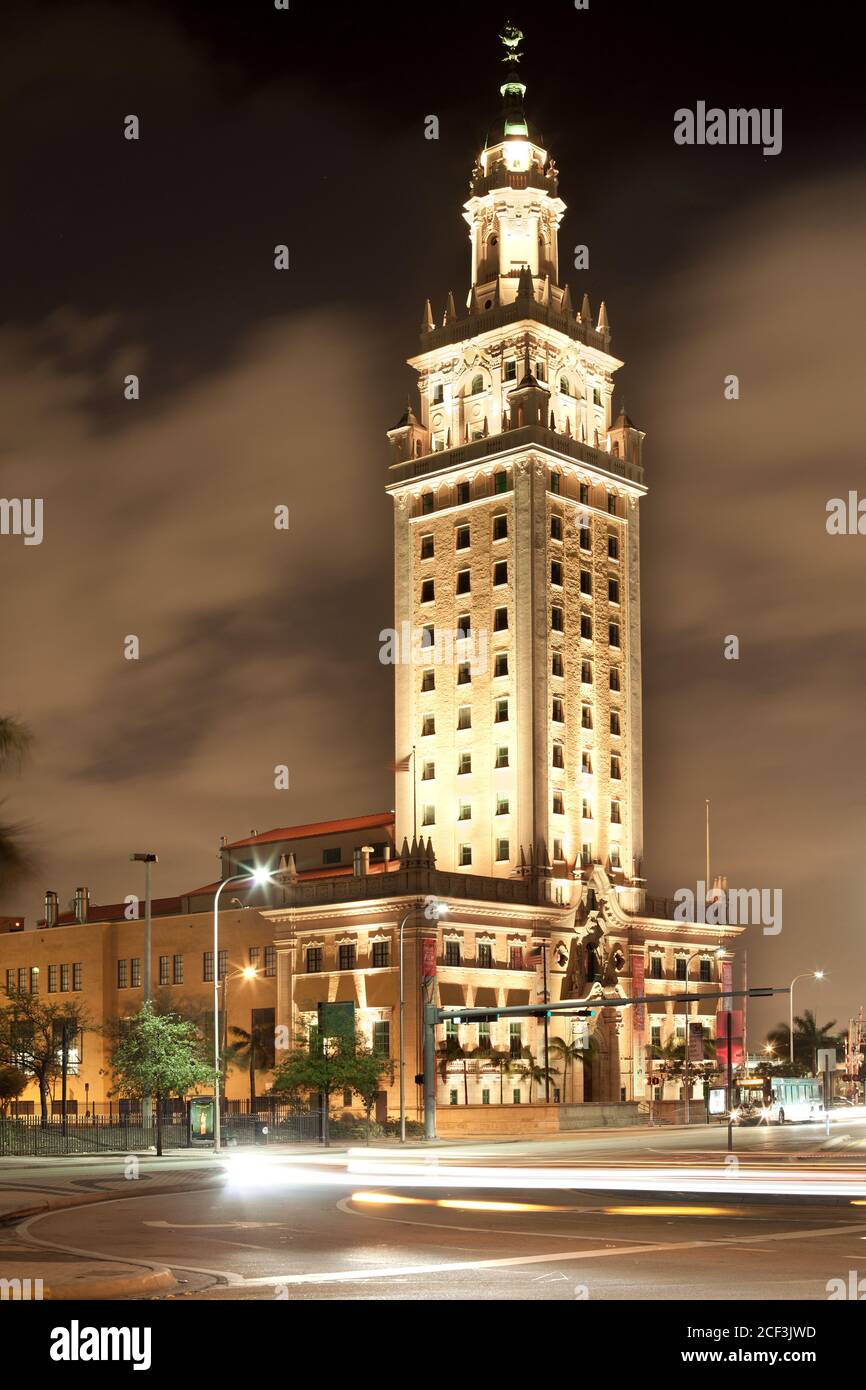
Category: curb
[110,1287]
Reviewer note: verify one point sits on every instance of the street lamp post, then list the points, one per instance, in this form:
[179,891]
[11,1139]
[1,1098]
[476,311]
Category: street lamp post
[258,877]
[438,910]
[148,860]
[807,975]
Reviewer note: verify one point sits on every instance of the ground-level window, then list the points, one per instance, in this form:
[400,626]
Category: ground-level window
[452,1097]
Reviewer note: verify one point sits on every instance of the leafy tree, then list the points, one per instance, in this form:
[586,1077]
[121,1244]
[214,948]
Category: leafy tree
[319,1066]
[252,1050]
[12,1082]
[158,1055]
[15,859]
[367,1071]
[37,1037]
[809,1036]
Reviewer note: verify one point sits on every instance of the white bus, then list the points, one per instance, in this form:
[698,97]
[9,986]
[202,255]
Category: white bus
[777,1100]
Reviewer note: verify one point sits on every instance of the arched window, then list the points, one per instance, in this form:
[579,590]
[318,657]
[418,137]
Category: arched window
[477,385]
[563,385]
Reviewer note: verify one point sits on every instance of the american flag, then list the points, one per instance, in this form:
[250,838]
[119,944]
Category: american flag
[404,763]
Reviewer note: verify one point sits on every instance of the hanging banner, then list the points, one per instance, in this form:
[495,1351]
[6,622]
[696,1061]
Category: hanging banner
[428,957]
[736,1016]
[696,1042]
[727,983]
[638,987]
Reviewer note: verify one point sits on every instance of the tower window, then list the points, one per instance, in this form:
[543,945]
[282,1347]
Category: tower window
[586,716]
[611,504]
[615,817]
[500,527]
[557,714]
[462,494]
[500,572]
[464,811]
[585,625]
[502,851]
[502,806]
[586,762]
[557,618]
[464,673]
[615,861]
[585,538]
[464,717]
[613,590]
[557,665]
[501,755]
[585,582]
[511,370]
[613,547]
[584,493]
[427,550]
[596,395]
[614,678]
[540,371]
[614,722]
[427,503]
[586,810]
[428,773]
[558,755]
[556,528]
[428,815]
[464,764]
[586,672]
[438,393]
[462,538]
[563,386]
[554,482]
[500,620]
[557,851]
[428,680]
[615,767]
[428,725]
[500,664]
[558,804]
[465,856]
[613,634]
[556,573]
[464,627]
[428,637]
[463,581]
[501,712]
[428,590]
[500,481]
[477,385]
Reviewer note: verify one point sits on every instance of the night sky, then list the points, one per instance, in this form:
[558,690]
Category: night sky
[259,388]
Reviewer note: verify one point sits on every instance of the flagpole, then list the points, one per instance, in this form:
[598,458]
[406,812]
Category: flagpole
[414,794]
[707,880]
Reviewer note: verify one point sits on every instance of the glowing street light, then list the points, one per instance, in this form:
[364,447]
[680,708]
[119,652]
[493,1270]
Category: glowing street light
[257,878]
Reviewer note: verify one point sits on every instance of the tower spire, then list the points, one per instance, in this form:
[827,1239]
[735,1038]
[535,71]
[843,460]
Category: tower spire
[513,89]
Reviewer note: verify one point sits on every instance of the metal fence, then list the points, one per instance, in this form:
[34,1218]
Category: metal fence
[26,1136]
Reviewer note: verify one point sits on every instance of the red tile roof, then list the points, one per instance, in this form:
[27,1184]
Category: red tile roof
[322,827]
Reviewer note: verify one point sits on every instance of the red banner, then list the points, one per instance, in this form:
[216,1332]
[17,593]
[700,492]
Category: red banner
[696,1042]
[727,977]
[736,1016]
[638,987]
[428,957]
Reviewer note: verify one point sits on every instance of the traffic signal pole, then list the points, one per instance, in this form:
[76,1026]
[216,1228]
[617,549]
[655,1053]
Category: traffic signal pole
[434,1016]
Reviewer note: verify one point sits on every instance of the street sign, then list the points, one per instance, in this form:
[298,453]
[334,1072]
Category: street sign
[826,1059]
[337,1020]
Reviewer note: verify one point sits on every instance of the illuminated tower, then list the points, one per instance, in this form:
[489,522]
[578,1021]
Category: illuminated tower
[516,515]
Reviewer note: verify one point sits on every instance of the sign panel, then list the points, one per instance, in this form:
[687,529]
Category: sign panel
[201,1119]
[717,1103]
[428,957]
[638,986]
[337,1020]
[826,1059]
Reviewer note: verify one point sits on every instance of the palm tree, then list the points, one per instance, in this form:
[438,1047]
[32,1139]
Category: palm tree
[15,860]
[569,1053]
[246,1049]
[532,1071]
[809,1036]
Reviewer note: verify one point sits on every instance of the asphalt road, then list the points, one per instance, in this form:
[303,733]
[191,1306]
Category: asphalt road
[626,1215]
